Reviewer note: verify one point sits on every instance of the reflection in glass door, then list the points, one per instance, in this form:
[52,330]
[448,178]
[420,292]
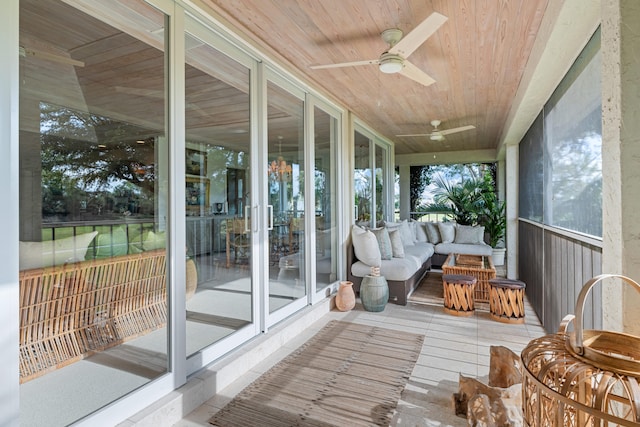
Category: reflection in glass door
[219,285]
[362,179]
[380,176]
[325,185]
[285,175]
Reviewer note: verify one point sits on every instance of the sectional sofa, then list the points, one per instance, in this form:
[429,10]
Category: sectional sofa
[405,251]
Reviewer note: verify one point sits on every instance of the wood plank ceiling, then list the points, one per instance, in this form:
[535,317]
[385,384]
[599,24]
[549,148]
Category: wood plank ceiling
[477,59]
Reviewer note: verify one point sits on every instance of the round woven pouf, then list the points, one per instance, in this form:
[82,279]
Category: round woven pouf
[506,300]
[458,294]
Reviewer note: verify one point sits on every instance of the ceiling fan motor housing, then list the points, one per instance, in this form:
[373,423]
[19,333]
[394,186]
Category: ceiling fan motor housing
[391,63]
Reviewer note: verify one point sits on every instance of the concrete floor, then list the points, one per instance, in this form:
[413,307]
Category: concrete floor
[452,346]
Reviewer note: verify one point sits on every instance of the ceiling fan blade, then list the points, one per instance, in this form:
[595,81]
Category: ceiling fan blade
[416,74]
[25,52]
[418,35]
[455,130]
[345,64]
[415,134]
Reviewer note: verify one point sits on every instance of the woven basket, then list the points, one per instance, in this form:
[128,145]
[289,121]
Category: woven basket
[584,378]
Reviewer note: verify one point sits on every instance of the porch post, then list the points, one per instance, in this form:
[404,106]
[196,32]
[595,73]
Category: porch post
[621,161]
[511,198]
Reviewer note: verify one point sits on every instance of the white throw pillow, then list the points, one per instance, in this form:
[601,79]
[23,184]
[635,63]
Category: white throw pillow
[405,234]
[365,246]
[421,232]
[54,252]
[384,243]
[433,232]
[397,248]
[469,234]
[447,232]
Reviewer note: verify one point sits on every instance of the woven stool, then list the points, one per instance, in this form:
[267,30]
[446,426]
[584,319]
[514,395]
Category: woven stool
[506,300]
[458,294]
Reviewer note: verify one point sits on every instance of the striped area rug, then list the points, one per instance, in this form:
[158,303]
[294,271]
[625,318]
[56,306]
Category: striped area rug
[346,375]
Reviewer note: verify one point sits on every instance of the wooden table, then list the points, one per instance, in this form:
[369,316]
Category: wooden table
[479,266]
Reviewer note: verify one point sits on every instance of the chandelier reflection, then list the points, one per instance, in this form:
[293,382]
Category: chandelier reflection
[279,170]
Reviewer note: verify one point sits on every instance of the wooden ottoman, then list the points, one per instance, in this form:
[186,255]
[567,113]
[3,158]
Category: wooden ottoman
[458,294]
[506,300]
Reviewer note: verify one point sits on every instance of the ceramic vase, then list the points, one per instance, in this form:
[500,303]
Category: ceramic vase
[374,293]
[345,298]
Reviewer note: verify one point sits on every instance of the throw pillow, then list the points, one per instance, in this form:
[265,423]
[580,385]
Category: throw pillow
[405,234]
[154,241]
[421,232]
[365,245]
[433,232]
[397,248]
[54,252]
[447,232]
[112,243]
[384,243]
[468,234]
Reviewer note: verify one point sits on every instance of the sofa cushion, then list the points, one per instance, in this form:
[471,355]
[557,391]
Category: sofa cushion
[54,252]
[421,232]
[433,232]
[469,234]
[397,247]
[113,243]
[461,248]
[365,245]
[395,269]
[421,250]
[447,232]
[384,242]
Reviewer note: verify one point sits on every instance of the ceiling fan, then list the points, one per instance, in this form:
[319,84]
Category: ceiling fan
[437,134]
[394,60]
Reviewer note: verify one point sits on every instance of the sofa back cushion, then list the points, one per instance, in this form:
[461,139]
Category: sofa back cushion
[54,252]
[365,246]
[397,248]
[384,243]
[469,235]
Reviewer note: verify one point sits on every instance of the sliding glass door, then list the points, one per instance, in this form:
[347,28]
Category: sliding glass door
[286,222]
[219,288]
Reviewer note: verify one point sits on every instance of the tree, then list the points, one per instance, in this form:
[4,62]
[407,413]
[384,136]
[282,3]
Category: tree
[419,178]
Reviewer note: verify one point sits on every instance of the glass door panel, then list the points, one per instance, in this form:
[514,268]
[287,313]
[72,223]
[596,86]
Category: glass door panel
[93,163]
[219,285]
[325,184]
[362,179]
[285,175]
[380,176]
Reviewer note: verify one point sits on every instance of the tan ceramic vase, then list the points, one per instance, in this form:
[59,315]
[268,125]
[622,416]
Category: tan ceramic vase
[345,298]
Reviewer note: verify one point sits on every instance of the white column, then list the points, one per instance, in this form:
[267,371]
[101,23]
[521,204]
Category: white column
[511,198]
[621,162]
[9,291]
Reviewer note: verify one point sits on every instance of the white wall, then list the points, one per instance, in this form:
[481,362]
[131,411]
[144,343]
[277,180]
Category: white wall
[9,83]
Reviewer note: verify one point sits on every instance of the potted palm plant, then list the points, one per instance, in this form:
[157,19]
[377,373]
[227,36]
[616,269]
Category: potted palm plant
[495,224]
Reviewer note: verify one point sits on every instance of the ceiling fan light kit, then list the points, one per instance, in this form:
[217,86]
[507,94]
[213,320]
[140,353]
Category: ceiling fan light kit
[390,63]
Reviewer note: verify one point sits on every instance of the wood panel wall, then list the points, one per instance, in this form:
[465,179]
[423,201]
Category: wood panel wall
[555,267]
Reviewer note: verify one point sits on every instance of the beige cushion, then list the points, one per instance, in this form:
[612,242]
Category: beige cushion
[365,245]
[384,243]
[433,232]
[397,247]
[421,232]
[469,234]
[447,232]
[54,252]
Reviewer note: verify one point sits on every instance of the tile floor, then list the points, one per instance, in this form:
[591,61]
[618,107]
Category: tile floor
[452,346]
